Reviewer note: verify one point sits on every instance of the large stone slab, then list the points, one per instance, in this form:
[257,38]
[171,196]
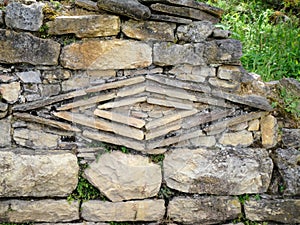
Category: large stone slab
[85,26]
[195,32]
[124,176]
[277,210]
[203,210]
[38,51]
[104,55]
[25,173]
[25,17]
[146,210]
[5,132]
[220,172]
[18,211]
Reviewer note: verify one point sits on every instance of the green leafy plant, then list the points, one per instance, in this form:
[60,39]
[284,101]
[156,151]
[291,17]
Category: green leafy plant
[157,158]
[165,192]
[44,31]
[244,198]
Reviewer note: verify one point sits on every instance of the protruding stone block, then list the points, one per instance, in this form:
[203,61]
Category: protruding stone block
[31,77]
[242,138]
[195,32]
[10,92]
[269,132]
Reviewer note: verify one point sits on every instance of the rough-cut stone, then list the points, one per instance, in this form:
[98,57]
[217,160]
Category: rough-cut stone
[32,77]
[10,92]
[25,173]
[18,211]
[193,73]
[49,90]
[75,83]
[242,138]
[225,84]
[203,210]
[87,4]
[103,55]
[203,141]
[172,19]
[221,172]
[195,32]
[146,210]
[130,178]
[129,8]
[219,33]
[55,76]
[35,139]
[85,26]
[277,210]
[253,125]
[38,51]
[166,54]
[288,164]
[149,30]
[25,17]
[229,73]
[291,137]
[268,127]
[1,17]
[5,129]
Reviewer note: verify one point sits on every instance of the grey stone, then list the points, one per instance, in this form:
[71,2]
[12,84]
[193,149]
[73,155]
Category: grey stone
[195,32]
[223,84]
[288,164]
[32,77]
[277,210]
[130,179]
[226,72]
[55,76]
[166,54]
[149,30]
[129,8]
[219,33]
[48,90]
[221,172]
[21,211]
[5,132]
[172,19]
[77,81]
[145,210]
[3,107]
[292,85]
[25,17]
[291,137]
[242,138]
[26,173]
[87,4]
[10,92]
[203,210]
[38,51]
[1,17]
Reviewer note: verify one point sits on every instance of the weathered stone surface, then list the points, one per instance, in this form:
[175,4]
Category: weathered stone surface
[253,125]
[219,33]
[27,173]
[195,32]
[242,138]
[85,26]
[5,130]
[225,84]
[146,210]
[203,141]
[184,12]
[226,51]
[19,211]
[292,85]
[268,127]
[203,210]
[131,176]
[103,55]
[49,90]
[87,4]
[149,30]
[172,19]
[166,54]
[193,73]
[3,106]
[38,51]
[75,83]
[129,8]
[221,172]
[291,137]
[32,77]
[10,92]
[55,76]
[229,73]
[1,17]
[25,17]
[277,210]
[288,164]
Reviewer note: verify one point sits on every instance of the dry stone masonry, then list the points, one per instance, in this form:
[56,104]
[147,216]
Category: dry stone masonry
[145,103]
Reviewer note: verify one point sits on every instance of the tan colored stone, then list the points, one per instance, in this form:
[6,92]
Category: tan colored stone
[21,211]
[123,102]
[75,83]
[37,174]
[239,127]
[85,26]
[87,4]
[253,125]
[229,72]
[218,83]
[163,130]
[241,138]
[268,127]
[5,132]
[131,90]
[105,55]
[170,102]
[124,176]
[146,210]
[202,141]
[10,92]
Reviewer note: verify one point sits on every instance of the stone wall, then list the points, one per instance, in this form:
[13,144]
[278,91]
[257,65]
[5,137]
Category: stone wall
[136,112]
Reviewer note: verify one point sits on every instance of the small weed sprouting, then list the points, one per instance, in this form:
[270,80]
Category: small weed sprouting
[157,158]
[257,197]
[124,150]
[241,219]
[291,102]
[43,31]
[244,198]
[165,192]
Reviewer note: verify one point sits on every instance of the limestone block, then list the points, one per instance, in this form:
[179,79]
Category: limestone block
[10,92]
[3,110]
[48,90]
[18,211]
[145,210]
[253,125]
[225,84]
[220,172]
[229,72]
[277,210]
[105,55]
[25,17]
[241,138]
[5,135]
[268,127]
[149,30]
[32,77]
[291,137]
[55,76]
[219,33]
[37,174]
[203,210]
[124,176]
[75,82]
[195,32]
[38,51]
[85,26]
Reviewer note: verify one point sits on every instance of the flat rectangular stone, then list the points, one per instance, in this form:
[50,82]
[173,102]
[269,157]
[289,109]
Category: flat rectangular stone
[87,4]
[172,19]
[169,102]
[145,210]
[131,90]
[5,130]
[163,130]
[21,211]
[143,71]
[123,102]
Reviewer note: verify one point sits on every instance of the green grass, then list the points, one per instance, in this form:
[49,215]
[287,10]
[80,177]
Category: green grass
[270,44]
